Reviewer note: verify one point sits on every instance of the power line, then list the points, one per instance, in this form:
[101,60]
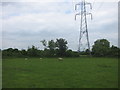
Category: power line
[93,3]
[99,7]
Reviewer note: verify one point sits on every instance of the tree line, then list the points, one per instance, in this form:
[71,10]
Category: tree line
[59,48]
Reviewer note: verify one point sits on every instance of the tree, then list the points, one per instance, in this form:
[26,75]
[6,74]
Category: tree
[70,53]
[16,52]
[33,51]
[51,46]
[7,52]
[101,47]
[44,42]
[10,52]
[114,51]
[24,52]
[61,45]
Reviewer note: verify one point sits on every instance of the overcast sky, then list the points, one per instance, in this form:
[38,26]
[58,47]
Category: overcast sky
[26,22]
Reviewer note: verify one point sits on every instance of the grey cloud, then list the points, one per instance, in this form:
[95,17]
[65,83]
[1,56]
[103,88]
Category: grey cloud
[51,21]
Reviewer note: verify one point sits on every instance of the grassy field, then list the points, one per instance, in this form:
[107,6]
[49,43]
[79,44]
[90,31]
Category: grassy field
[69,73]
[0,72]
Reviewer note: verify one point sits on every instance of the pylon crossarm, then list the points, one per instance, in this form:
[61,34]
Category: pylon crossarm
[77,14]
[77,5]
[89,4]
[90,15]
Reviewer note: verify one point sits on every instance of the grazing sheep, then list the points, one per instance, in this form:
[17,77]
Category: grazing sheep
[60,59]
[40,58]
[26,58]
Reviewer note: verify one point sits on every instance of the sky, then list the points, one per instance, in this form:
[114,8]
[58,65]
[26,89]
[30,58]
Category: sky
[26,22]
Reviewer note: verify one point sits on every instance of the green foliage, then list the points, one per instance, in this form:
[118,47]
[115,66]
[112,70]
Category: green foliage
[24,52]
[114,51]
[52,47]
[85,53]
[70,53]
[44,42]
[55,48]
[11,53]
[61,44]
[32,51]
[59,48]
[46,53]
[101,47]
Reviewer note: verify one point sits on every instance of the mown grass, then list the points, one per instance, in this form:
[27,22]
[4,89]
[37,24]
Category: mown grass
[69,73]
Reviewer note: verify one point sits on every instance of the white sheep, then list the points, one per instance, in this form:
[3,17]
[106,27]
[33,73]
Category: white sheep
[60,59]
[40,58]
[26,58]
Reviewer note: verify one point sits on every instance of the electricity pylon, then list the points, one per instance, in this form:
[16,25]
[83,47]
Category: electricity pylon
[83,43]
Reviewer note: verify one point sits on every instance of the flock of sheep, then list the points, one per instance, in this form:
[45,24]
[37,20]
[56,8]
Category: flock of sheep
[59,59]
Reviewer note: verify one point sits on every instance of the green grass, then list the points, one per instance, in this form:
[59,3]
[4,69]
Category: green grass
[0,72]
[51,73]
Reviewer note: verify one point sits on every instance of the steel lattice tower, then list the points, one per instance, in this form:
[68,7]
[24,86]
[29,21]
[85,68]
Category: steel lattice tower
[83,38]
